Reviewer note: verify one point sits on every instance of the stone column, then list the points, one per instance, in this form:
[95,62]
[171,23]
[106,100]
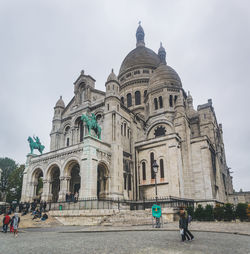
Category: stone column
[45,193]
[49,195]
[31,191]
[63,188]
[88,170]
[25,187]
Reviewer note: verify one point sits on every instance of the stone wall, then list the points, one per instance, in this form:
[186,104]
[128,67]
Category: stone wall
[111,217]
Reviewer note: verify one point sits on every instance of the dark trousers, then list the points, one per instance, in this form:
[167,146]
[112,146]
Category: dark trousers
[5,228]
[189,234]
[186,235]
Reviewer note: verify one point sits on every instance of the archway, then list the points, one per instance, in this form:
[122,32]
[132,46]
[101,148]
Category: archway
[55,183]
[102,181]
[38,183]
[75,179]
[72,179]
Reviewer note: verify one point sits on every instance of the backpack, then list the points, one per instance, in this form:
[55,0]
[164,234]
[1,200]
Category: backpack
[189,218]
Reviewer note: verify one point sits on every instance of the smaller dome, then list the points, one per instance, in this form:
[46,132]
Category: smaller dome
[164,73]
[60,103]
[112,77]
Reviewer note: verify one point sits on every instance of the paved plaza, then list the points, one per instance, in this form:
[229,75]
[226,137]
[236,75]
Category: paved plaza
[62,240]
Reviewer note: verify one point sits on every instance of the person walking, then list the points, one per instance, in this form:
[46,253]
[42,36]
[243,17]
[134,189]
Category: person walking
[183,224]
[16,221]
[6,221]
[189,219]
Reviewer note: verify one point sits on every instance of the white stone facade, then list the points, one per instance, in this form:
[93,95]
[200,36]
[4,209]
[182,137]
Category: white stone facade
[145,115]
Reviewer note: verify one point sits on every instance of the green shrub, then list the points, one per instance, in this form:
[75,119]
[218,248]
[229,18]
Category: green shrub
[219,212]
[228,212]
[199,213]
[209,213]
[241,211]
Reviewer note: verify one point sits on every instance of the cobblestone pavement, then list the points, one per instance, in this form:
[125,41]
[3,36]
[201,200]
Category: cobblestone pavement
[226,227]
[133,242]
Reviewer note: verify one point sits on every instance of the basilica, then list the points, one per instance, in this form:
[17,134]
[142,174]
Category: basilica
[145,116]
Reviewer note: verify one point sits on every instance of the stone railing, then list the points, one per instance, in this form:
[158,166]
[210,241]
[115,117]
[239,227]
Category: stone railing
[63,152]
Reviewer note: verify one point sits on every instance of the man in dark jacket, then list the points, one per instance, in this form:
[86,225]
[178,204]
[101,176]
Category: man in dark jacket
[183,225]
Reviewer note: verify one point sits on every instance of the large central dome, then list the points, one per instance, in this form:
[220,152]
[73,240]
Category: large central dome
[140,57]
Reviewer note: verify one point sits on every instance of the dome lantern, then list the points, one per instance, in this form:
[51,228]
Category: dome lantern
[140,36]
[162,54]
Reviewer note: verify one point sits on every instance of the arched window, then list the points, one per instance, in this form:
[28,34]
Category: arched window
[170,100]
[137,98]
[129,100]
[160,131]
[162,168]
[129,182]
[81,127]
[175,98]
[125,181]
[82,96]
[156,103]
[67,142]
[151,164]
[122,129]
[125,129]
[143,171]
[145,94]
[122,100]
[160,102]
[67,130]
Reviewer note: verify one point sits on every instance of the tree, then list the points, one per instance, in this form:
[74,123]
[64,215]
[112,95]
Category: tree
[208,213]
[7,165]
[241,211]
[228,212]
[219,212]
[199,212]
[14,188]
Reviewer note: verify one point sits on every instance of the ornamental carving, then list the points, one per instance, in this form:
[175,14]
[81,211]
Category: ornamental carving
[101,155]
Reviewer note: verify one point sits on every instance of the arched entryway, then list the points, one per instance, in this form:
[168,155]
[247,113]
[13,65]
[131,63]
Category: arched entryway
[72,178]
[75,180]
[55,183]
[102,181]
[37,179]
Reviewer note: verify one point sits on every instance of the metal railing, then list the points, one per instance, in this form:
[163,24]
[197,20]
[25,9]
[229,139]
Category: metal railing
[116,204]
[93,203]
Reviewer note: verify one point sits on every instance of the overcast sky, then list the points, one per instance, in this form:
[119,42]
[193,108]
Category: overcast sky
[45,44]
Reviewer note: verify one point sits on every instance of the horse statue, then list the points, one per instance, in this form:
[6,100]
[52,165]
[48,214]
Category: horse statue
[35,144]
[92,124]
